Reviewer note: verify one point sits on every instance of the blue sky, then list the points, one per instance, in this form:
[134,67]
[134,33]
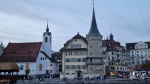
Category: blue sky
[25,20]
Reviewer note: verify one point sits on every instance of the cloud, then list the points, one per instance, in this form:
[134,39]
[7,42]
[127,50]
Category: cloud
[25,20]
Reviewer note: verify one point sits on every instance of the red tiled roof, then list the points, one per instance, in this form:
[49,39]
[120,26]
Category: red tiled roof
[21,52]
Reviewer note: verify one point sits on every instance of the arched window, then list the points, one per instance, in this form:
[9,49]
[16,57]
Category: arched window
[45,39]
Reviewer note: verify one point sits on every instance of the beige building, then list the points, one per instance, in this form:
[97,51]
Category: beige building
[74,53]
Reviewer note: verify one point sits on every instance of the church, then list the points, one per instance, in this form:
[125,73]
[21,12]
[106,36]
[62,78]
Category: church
[35,56]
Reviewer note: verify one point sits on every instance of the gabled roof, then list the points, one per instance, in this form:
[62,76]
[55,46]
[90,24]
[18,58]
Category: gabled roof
[132,45]
[111,45]
[94,30]
[51,59]
[78,36]
[21,52]
[57,55]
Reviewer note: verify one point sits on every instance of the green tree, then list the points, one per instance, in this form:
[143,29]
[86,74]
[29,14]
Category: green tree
[27,71]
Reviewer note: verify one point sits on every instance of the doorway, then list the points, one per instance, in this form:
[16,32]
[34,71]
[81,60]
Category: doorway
[79,75]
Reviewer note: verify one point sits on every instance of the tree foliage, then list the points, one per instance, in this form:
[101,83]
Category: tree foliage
[27,71]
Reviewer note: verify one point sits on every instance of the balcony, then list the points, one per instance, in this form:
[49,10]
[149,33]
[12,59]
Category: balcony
[94,63]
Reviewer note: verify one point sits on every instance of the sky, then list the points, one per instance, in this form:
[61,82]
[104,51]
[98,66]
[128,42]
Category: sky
[26,20]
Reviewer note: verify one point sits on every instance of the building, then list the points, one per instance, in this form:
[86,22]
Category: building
[58,57]
[74,53]
[35,56]
[116,58]
[83,57]
[138,52]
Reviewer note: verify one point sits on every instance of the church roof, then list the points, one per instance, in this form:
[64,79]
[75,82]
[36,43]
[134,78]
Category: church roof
[51,59]
[21,52]
[93,30]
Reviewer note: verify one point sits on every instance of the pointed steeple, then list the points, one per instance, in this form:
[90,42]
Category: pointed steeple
[2,45]
[47,29]
[111,35]
[94,30]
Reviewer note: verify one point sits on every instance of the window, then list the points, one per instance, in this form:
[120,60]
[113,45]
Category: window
[73,67]
[84,67]
[77,53]
[51,68]
[45,39]
[67,60]
[83,59]
[73,53]
[21,67]
[27,66]
[40,67]
[67,66]
[65,53]
[84,53]
[112,53]
[73,60]
[117,68]
[112,58]
[78,59]
[78,67]
[41,58]
[76,46]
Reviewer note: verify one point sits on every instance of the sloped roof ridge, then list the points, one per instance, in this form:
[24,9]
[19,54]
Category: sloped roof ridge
[51,59]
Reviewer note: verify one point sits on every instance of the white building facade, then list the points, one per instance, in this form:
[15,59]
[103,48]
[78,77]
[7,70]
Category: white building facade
[139,52]
[35,56]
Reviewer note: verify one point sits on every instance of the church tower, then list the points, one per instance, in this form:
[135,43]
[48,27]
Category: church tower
[95,56]
[111,37]
[47,41]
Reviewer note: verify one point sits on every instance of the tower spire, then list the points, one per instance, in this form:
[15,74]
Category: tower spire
[111,35]
[93,3]
[47,29]
[93,30]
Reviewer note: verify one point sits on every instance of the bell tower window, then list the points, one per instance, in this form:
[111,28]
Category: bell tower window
[45,39]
